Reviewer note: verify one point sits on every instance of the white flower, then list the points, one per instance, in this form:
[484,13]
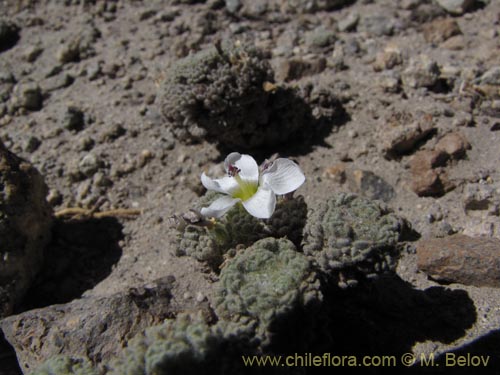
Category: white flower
[243,184]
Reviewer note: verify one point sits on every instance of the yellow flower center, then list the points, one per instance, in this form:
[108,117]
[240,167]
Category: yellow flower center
[247,188]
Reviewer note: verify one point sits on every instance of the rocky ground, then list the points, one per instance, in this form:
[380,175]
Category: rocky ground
[405,108]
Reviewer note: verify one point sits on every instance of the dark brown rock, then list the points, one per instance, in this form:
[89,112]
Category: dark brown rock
[25,224]
[440,30]
[427,183]
[461,259]
[424,160]
[431,183]
[95,327]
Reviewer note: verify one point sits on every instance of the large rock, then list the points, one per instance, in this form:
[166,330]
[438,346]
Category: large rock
[96,328]
[461,259]
[25,223]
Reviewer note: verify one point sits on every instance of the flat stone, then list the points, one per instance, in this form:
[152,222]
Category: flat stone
[93,327]
[461,259]
[440,30]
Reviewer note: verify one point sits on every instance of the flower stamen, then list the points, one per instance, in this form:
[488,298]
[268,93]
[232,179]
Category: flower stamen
[246,188]
[233,170]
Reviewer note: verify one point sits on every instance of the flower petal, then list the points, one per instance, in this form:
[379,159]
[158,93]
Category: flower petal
[226,185]
[219,207]
[249,170]
[283,177]
[261,204]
